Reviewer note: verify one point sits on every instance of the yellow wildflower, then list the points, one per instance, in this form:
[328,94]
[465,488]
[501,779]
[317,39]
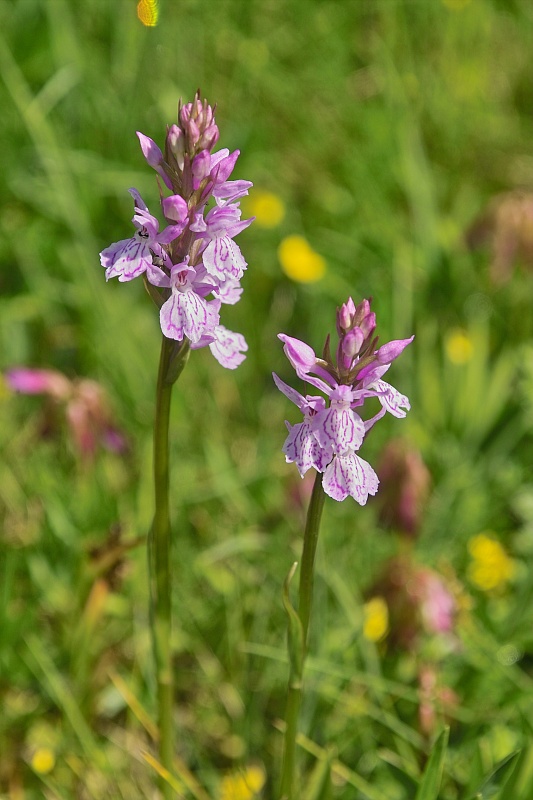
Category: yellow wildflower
[459,347]
[299,261]
[267,208]
[490,567]
[376,619]
[43,760]
[148,12]
[243,785]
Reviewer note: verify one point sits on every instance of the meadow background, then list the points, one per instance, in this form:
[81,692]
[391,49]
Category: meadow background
[380,131]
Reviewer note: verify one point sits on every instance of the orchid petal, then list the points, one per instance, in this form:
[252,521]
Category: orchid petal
[184,314]
[350,475]
[228,348]
[339,429]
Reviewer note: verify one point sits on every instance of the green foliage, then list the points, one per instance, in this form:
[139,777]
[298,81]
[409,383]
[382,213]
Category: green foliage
[431,779]
[498,780]
[386,129]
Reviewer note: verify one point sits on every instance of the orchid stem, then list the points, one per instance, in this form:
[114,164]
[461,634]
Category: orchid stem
[159,545]
[289,790]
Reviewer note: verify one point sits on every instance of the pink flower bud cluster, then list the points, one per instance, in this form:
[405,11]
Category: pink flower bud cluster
[193,266]
[332,431]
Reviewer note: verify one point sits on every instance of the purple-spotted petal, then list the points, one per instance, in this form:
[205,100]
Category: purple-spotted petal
[302,448]
[229,291]
[184,314]
[390,398]
[223,258]
[338,428]
[228,348]
[350,475]
[126,259]
[294,396]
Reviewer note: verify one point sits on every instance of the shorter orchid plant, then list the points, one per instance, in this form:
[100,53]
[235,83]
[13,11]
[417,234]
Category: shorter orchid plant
[328,439]
[330,435]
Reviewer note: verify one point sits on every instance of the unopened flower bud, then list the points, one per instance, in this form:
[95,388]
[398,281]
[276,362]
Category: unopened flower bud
[345,316]
[209,137]
[361,311]
[175,208]
[192,131]
[198,123]
[368,324]
[189,111]
[176,144]
[200,167]
[352,343]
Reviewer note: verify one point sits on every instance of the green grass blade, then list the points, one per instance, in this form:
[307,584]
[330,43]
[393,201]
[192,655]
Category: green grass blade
[498,778]
[431,779]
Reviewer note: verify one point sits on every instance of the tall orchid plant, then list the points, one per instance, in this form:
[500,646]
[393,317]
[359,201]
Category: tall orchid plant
[191,268]
[328,439]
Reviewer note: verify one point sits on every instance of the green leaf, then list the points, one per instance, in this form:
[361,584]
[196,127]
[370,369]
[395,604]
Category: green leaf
[319,785]
[430,783]
[296,634]
[476,770]
[497,779]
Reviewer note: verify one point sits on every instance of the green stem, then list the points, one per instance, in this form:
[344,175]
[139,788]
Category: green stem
[305,599]
[159,554]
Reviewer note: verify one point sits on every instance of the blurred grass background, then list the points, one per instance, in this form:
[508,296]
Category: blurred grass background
[385,129]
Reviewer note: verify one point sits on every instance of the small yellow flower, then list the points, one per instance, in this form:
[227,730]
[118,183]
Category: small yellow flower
[299,261]
[459,346]
[243,785]
[267,208]
[490,567]
[376,619]
[148,12]
[43,760]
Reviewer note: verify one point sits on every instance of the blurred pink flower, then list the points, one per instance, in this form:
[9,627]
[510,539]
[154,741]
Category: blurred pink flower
[418,599]
[38,381]
[436,701]
[85,403]
[437,605]
[405,482]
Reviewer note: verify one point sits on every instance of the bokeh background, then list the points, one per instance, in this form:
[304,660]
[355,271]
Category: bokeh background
[390,143]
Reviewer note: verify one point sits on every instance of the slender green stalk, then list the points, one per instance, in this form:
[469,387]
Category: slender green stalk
[305,599]
[170,366]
